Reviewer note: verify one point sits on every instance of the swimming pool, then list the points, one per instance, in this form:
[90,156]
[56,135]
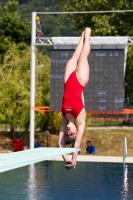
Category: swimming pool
[49,180]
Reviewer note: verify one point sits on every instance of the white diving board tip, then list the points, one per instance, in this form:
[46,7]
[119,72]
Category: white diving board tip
[15,160]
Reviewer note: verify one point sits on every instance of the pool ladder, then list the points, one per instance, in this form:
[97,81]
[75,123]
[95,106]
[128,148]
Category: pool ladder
[125,150]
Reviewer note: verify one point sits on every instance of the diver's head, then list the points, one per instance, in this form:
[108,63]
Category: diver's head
[70,133]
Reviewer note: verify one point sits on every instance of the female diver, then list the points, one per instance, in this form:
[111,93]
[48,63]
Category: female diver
[73,111]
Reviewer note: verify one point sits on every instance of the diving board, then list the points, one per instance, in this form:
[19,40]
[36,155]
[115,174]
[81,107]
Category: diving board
[22,158]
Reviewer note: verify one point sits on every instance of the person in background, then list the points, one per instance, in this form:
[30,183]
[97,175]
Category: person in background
[36,143]
[42,144]
[128,122]
[90,149]
[18,143]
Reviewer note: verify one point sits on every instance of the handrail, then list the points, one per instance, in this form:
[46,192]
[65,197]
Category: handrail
[125,150]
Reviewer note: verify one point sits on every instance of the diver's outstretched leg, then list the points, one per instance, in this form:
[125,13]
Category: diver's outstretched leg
[83,65]
[72,63]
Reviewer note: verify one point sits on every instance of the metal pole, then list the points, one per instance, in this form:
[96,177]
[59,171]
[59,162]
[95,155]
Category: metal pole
[47,140]
[32,95]
[47,134]
[125,149]
[84,12]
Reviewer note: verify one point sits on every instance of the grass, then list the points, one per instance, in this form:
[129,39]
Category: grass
[91,122]
[108,142]
[5,142]
[98,123]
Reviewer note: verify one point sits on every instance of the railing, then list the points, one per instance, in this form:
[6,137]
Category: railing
[125,150]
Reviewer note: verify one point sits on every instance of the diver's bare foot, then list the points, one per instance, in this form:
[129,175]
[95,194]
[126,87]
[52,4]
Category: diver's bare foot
[88,31]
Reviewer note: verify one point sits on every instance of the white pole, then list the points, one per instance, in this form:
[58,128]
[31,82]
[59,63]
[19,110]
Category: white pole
[125,149]
[32,86]
[84,12]
[125,142]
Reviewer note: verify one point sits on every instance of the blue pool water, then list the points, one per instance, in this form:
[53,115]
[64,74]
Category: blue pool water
[49,180]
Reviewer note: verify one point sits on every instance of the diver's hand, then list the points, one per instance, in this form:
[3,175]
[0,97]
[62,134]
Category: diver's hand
[69,165]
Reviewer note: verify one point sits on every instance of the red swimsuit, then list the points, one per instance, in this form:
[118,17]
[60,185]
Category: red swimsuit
[72,99]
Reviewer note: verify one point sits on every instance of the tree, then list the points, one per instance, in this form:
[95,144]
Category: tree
[51,25]
[15,73]
[109,24]
[15,86]
[129,74]
[12,29]
[48,121]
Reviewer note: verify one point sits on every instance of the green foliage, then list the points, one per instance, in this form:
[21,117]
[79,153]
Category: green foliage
[12,29]
[15,73]
[51,25]
[14,86]
[42,79]
[109,24]
[87,120]
[129,74]
[49,121]
[52,122]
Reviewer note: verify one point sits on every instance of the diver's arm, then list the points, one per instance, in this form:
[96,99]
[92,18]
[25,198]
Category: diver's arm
[80,130]
[78,142]
[61,139]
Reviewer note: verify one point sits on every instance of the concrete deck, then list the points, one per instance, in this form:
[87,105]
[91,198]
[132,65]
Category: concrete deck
[109,127]
[90,158]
